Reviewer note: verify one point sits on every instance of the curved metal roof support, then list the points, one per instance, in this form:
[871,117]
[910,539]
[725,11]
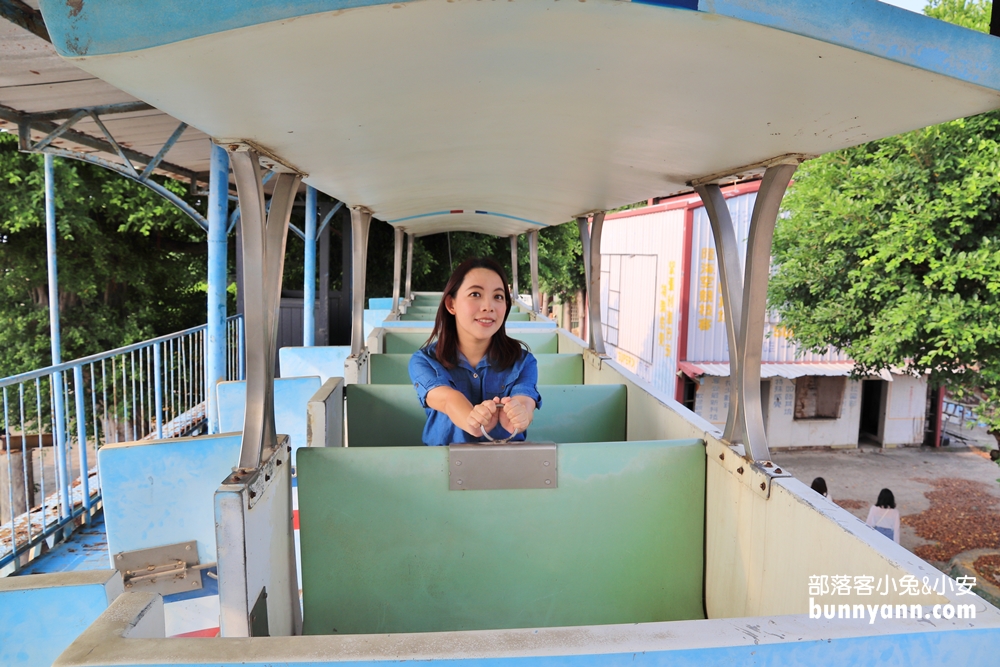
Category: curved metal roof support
[731,282]
[397,266]
[591,239]
[361,219]
[513,267]
[263,251]
[409,267]
[533,263]
[128,157]
[754,308]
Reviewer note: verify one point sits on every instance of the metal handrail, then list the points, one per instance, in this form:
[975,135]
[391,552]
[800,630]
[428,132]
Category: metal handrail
[154,388]
[102,356]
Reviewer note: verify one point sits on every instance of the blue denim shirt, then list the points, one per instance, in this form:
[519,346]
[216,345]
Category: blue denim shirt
[477,384]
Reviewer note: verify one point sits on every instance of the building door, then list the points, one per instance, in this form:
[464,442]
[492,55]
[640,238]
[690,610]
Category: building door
[872,410]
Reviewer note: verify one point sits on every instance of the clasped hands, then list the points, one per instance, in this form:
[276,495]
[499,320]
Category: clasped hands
[512,412]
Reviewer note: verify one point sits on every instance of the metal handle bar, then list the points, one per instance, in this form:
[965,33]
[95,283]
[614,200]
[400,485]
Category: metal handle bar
[496,442]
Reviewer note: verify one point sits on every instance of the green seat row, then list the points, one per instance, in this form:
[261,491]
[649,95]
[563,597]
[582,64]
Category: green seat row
[389,415]
[429,316]
[408,343]
[552,368]
[388,548]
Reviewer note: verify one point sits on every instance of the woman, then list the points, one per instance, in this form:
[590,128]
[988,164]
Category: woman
[884,517]
[476,383]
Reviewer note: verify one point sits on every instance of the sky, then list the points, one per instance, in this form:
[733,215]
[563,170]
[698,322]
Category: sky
[912,5]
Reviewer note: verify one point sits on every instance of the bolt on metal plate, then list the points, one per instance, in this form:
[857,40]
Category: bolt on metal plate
[164,570]
[511,466]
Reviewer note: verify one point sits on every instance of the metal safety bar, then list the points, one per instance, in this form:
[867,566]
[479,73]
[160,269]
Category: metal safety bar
[55,419]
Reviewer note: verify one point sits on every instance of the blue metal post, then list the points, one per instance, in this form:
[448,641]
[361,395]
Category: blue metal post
[309,282]
[81,438]
[218,223]
[158,388]
[58,406]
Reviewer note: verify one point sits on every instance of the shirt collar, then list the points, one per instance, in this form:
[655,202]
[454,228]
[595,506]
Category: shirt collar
[464,363]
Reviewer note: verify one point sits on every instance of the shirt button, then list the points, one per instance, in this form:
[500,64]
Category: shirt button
[475,375]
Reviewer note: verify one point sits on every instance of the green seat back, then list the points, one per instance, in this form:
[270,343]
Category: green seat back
[560,368]
[389,368]
[383,415]
[397,342]
[552,368]
[569,413]
[387,548]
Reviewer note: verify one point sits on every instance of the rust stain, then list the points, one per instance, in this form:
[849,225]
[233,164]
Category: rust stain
[75,7]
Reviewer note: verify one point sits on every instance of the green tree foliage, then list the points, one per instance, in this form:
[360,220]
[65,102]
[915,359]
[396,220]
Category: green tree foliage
[131,265]
[560,263]
[891,250]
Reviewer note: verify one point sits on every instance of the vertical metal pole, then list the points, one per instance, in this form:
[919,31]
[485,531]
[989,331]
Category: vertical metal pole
[218,223]
[361,219]
[56,379]
[513,267]
[409,265]
[533,264]
[591,240]
[731,282]
[309,279]
[81,437]
[158,388]
[397,265]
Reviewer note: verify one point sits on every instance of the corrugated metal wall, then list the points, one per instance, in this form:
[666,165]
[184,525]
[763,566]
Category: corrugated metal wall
[641,283]
[707,322]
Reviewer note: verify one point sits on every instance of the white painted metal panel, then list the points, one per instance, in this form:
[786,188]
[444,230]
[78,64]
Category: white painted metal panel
[476,114]
[707,322]
[642,255]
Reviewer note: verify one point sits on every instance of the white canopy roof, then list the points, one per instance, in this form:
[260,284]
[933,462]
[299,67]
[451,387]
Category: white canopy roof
[502,117]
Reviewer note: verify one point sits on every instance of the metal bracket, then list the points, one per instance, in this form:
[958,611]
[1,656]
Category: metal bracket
[168,569]
[491,467]
[595,359]
[258,479]
[265,158]
[257,622]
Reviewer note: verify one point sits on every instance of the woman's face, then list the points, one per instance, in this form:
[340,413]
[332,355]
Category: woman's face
[479,306]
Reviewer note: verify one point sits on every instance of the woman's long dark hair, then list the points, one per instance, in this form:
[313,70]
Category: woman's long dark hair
[885,499]
[503,351]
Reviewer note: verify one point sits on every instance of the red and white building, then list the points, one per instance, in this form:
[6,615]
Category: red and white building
[662,318]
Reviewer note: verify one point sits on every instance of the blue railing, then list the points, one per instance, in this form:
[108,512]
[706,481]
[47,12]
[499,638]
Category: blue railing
[48,446]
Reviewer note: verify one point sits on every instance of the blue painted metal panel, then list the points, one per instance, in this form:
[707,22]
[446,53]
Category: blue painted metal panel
[291,394]
[85,549]
[100,27]
[375,317]
[112,26]
[323,362]
[37,624]
[923,649]
[161,492]
[381,303]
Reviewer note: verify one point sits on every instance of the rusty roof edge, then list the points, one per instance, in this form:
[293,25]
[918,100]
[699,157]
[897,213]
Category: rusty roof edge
[24,16]
[14,116]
